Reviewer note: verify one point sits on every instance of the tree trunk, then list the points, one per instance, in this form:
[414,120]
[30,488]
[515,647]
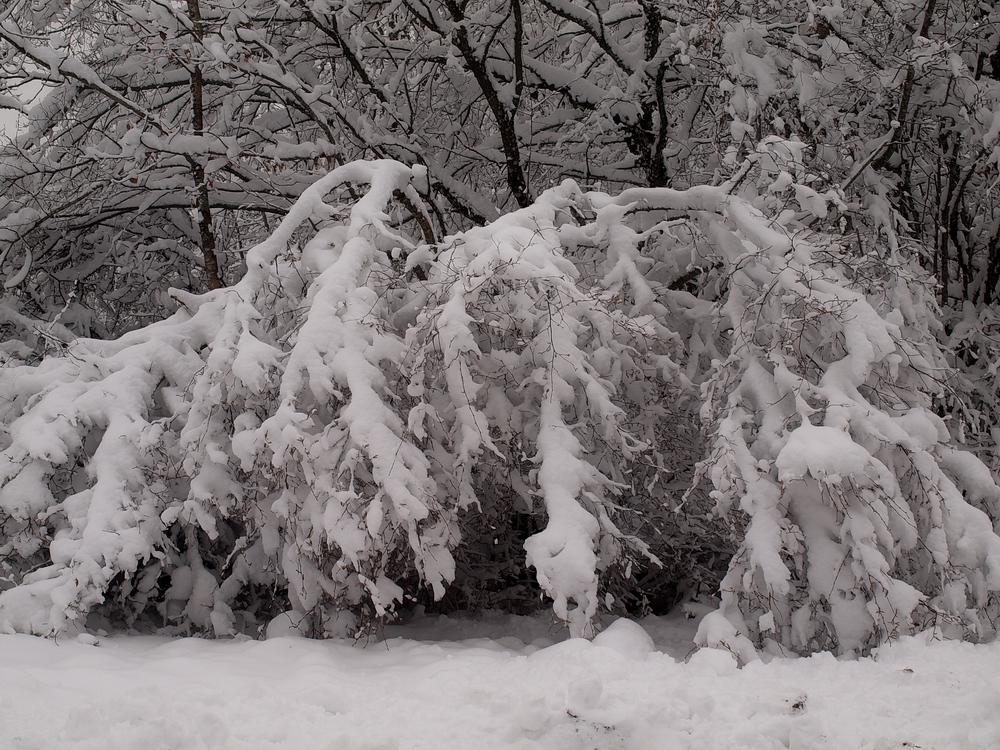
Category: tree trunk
[213,276]
[516,180]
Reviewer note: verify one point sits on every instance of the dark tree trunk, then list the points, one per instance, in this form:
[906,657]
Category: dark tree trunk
[213,276]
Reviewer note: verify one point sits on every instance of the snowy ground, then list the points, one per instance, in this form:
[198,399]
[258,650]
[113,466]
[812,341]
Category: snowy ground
[495,682]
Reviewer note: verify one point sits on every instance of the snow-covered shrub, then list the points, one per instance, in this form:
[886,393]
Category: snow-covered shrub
[187,463]
[365,414]
[320,426]
[862,518]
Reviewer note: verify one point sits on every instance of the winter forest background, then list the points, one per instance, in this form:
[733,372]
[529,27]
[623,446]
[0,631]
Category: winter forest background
[332,308]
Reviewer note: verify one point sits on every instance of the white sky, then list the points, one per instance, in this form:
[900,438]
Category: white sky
[8,121]
[8,117]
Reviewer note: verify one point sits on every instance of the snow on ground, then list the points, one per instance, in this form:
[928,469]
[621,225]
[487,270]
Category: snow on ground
[490,682]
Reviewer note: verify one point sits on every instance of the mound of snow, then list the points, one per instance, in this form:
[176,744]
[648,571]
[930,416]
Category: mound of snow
[627,638]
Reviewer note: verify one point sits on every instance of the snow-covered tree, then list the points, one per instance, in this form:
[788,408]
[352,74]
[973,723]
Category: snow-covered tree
[331,426]
[169,137]
[863,518]
[319,424]
[499,99]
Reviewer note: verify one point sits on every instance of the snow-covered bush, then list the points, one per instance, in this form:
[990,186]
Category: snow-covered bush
[319,427]
[364,414]
[863,519]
